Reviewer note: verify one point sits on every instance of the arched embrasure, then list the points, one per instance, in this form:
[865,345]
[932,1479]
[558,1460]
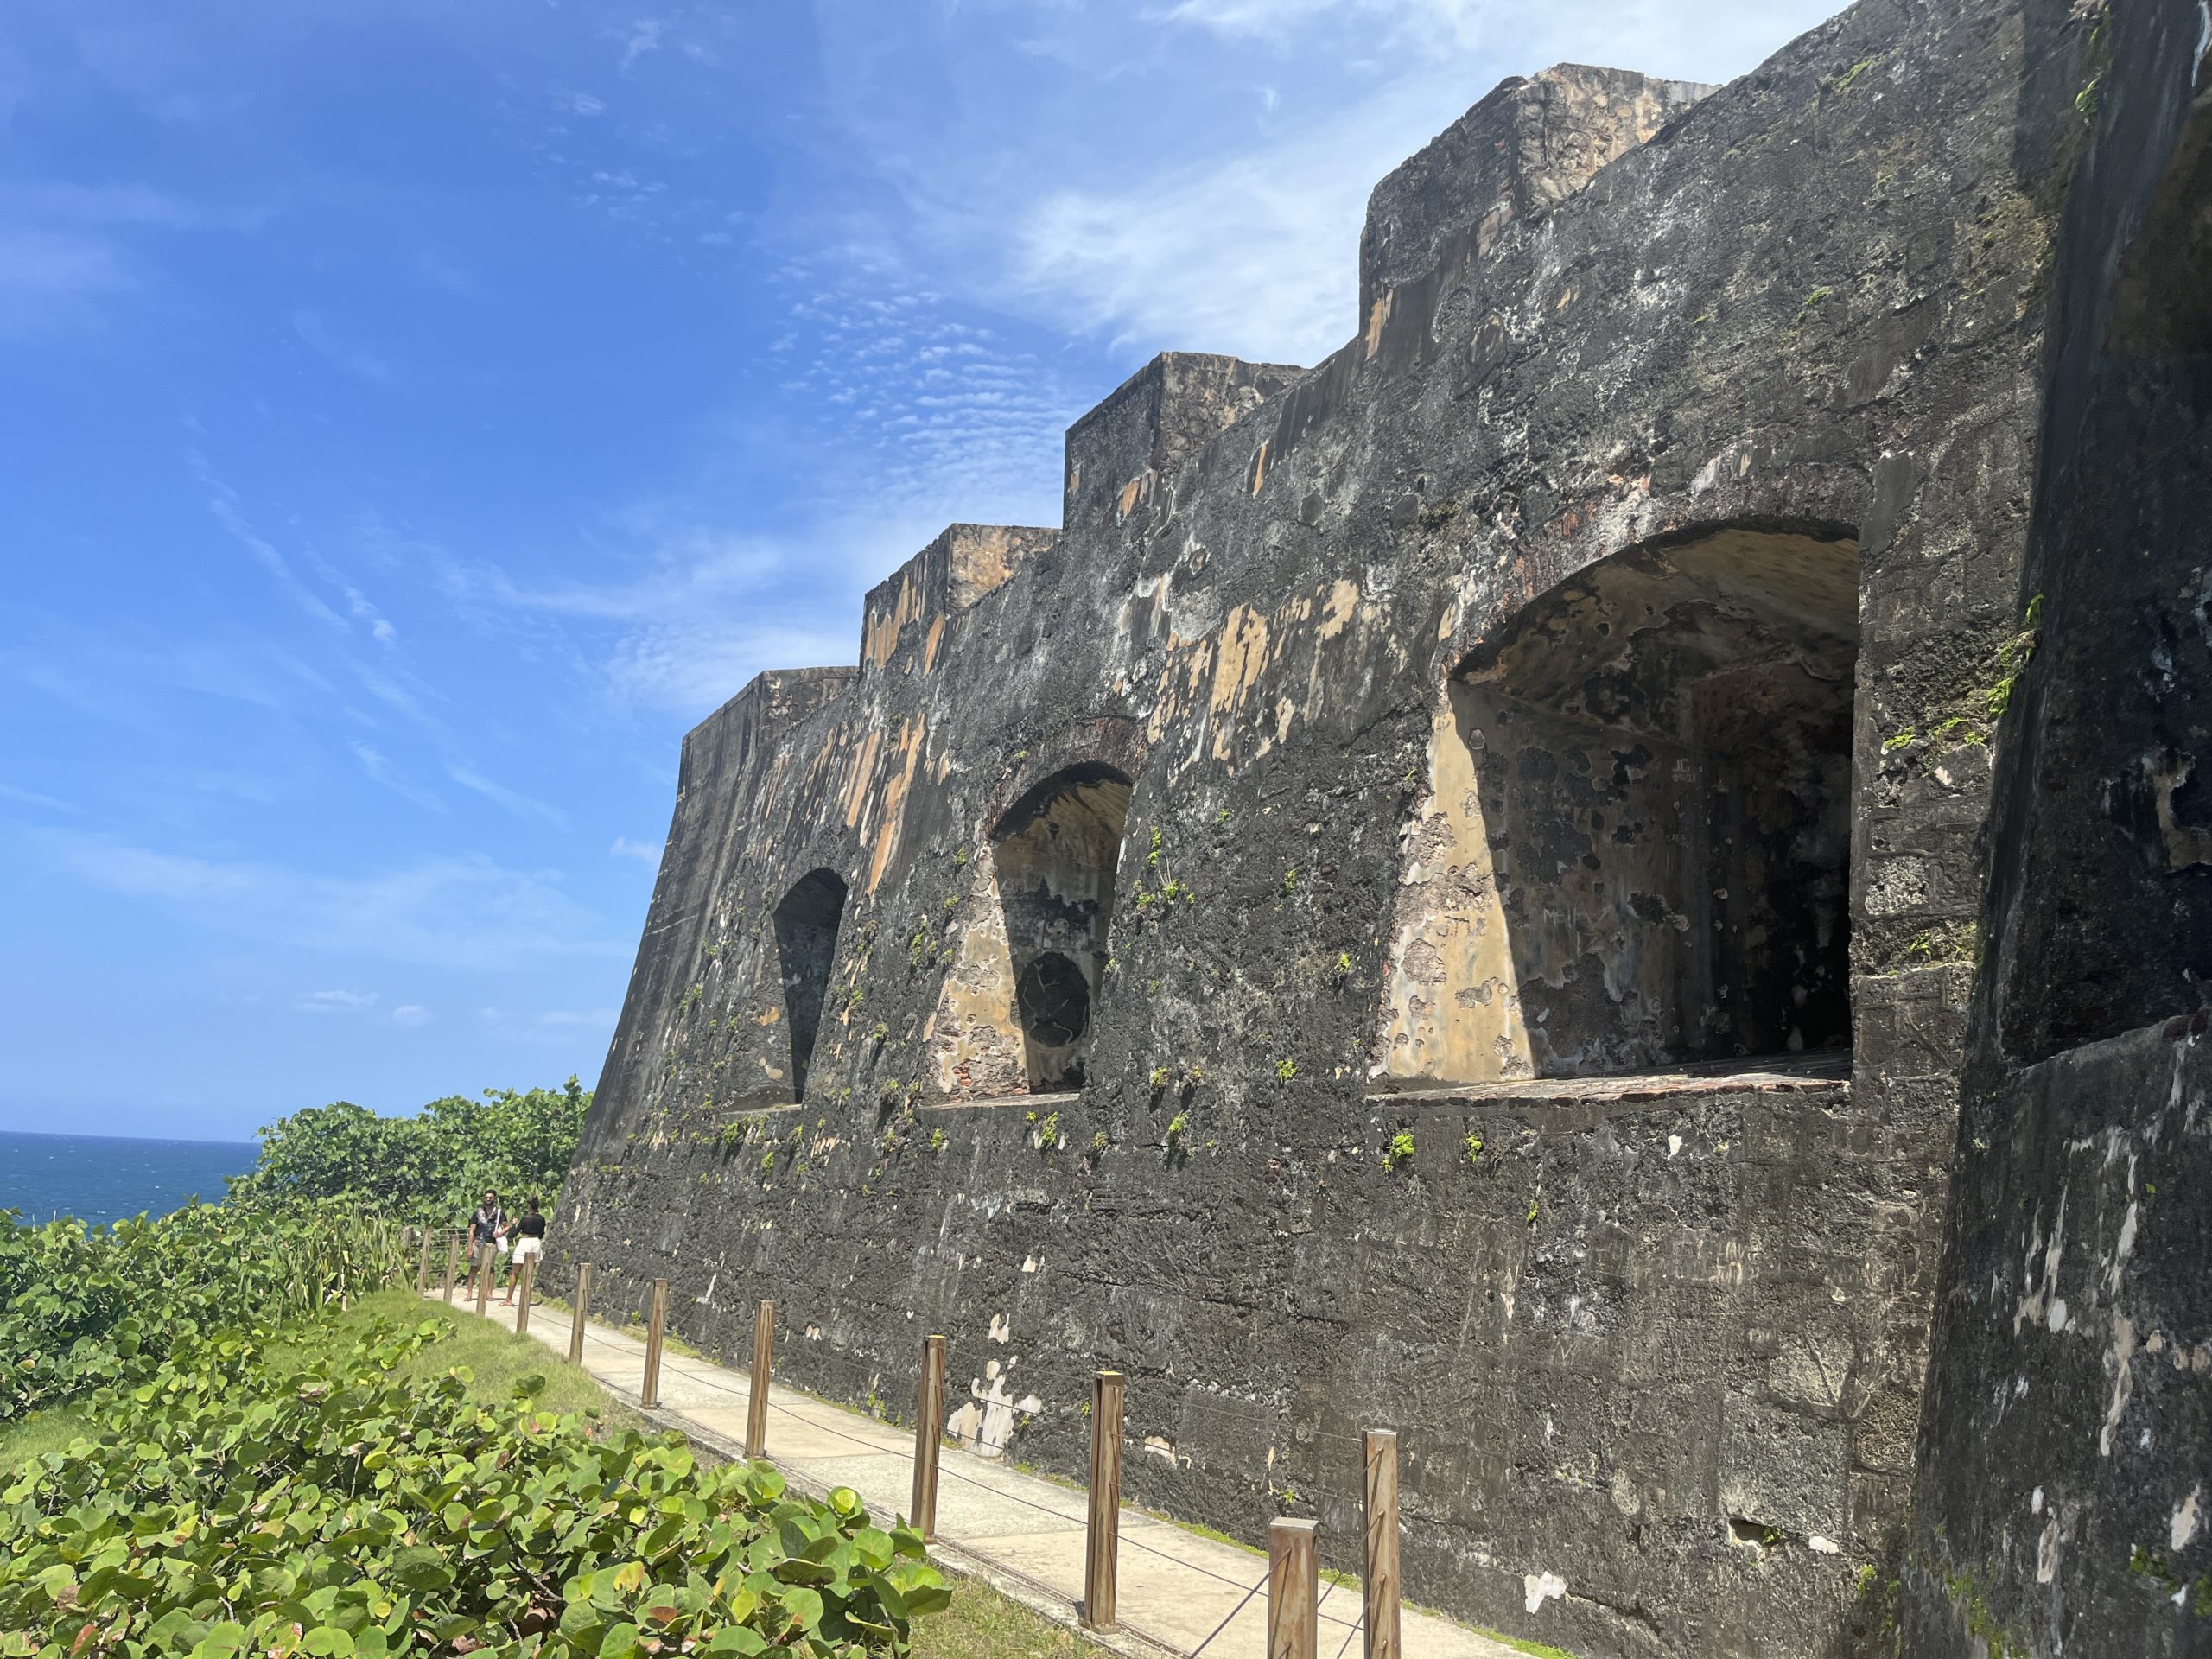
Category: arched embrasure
[806,946]
[1644,860]
[1056,849]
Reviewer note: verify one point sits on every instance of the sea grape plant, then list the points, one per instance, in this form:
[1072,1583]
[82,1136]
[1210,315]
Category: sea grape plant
[233,1506]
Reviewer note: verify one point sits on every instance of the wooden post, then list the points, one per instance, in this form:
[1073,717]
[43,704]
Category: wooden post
[453,1264]
[928,1435]
[756,1398]
[1381,1579]
[484,1260]
[577,1325]
[656,1331]
[423,1267]
[1103,1550]
[1293,1584]
[525,1273]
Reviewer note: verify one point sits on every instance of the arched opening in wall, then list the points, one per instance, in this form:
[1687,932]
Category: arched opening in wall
[806,946]
[1056,849]
[1661,755]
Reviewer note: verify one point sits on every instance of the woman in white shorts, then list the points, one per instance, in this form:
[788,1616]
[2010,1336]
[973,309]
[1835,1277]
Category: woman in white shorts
[529,1236]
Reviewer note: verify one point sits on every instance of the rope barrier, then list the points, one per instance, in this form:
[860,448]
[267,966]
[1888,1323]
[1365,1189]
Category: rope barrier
[673,1369]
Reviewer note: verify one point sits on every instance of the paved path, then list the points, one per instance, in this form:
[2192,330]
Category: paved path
[1177,1593]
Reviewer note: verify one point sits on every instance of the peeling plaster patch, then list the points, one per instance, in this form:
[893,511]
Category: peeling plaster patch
[986,1422]
[1673,1145]
[2121,1353]
[1823,1546]
[2035,1504]
[2183,1530]
[1030,1264]
[1160,1446]
[2047,1552]
[1000,1329]
[1535,1586]
[2034,1304]
[2125,1249]
[2186,845]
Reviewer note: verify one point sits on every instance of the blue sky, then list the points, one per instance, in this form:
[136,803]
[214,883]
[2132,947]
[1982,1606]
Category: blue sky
[418,414]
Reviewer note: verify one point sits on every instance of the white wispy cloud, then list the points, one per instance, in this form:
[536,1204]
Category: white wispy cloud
[432,270]
[646,852]
[123,204]
[32,798]
[223,501]
[641,38]
[455,912]
[347,355]
[523,806]
[335,1001]
[51,277]
[362,1004]
[65,247]
[684,623]
[589,1028]
[1253,250]
[382,770]
[692,667]
[685,568]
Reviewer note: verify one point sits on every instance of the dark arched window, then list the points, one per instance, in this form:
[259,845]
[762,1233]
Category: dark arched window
[1056,849]
[806,946]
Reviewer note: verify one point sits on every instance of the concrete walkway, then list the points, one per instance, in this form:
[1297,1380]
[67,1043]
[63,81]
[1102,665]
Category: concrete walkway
[1177,1593]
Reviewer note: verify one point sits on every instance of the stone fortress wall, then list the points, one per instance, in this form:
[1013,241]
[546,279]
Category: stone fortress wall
[1455,890]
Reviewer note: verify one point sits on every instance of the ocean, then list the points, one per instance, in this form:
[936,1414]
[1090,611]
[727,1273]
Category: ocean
[100,1178]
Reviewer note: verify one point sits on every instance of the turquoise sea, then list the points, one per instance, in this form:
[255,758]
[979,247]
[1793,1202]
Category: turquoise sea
[102,1177]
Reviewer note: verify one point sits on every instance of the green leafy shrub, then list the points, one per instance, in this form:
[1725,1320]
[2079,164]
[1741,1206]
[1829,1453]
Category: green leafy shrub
[429,1168]
[84,1307]
[231,1505]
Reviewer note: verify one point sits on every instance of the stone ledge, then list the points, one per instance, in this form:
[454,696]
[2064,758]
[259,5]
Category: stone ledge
[993,1103]
[1828,1070]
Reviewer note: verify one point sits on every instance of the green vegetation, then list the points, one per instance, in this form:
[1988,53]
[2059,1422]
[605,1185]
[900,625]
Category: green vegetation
[1440,514]
[84,1308]
[429,1167]
[983,1625]
[1400,1149]
[338,1491]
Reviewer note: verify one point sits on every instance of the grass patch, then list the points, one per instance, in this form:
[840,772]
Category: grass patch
[983,1625]
[495,1358]
[1538,1649]
[41,1432]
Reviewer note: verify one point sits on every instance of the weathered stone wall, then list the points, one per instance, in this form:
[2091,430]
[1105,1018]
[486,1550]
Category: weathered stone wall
[2067,1448]
[1656,1346]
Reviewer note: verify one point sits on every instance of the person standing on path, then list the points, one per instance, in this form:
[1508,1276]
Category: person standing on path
[529,1235]
[485,1228]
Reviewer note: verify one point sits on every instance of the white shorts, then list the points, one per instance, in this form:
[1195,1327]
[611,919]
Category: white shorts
[528,1249]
